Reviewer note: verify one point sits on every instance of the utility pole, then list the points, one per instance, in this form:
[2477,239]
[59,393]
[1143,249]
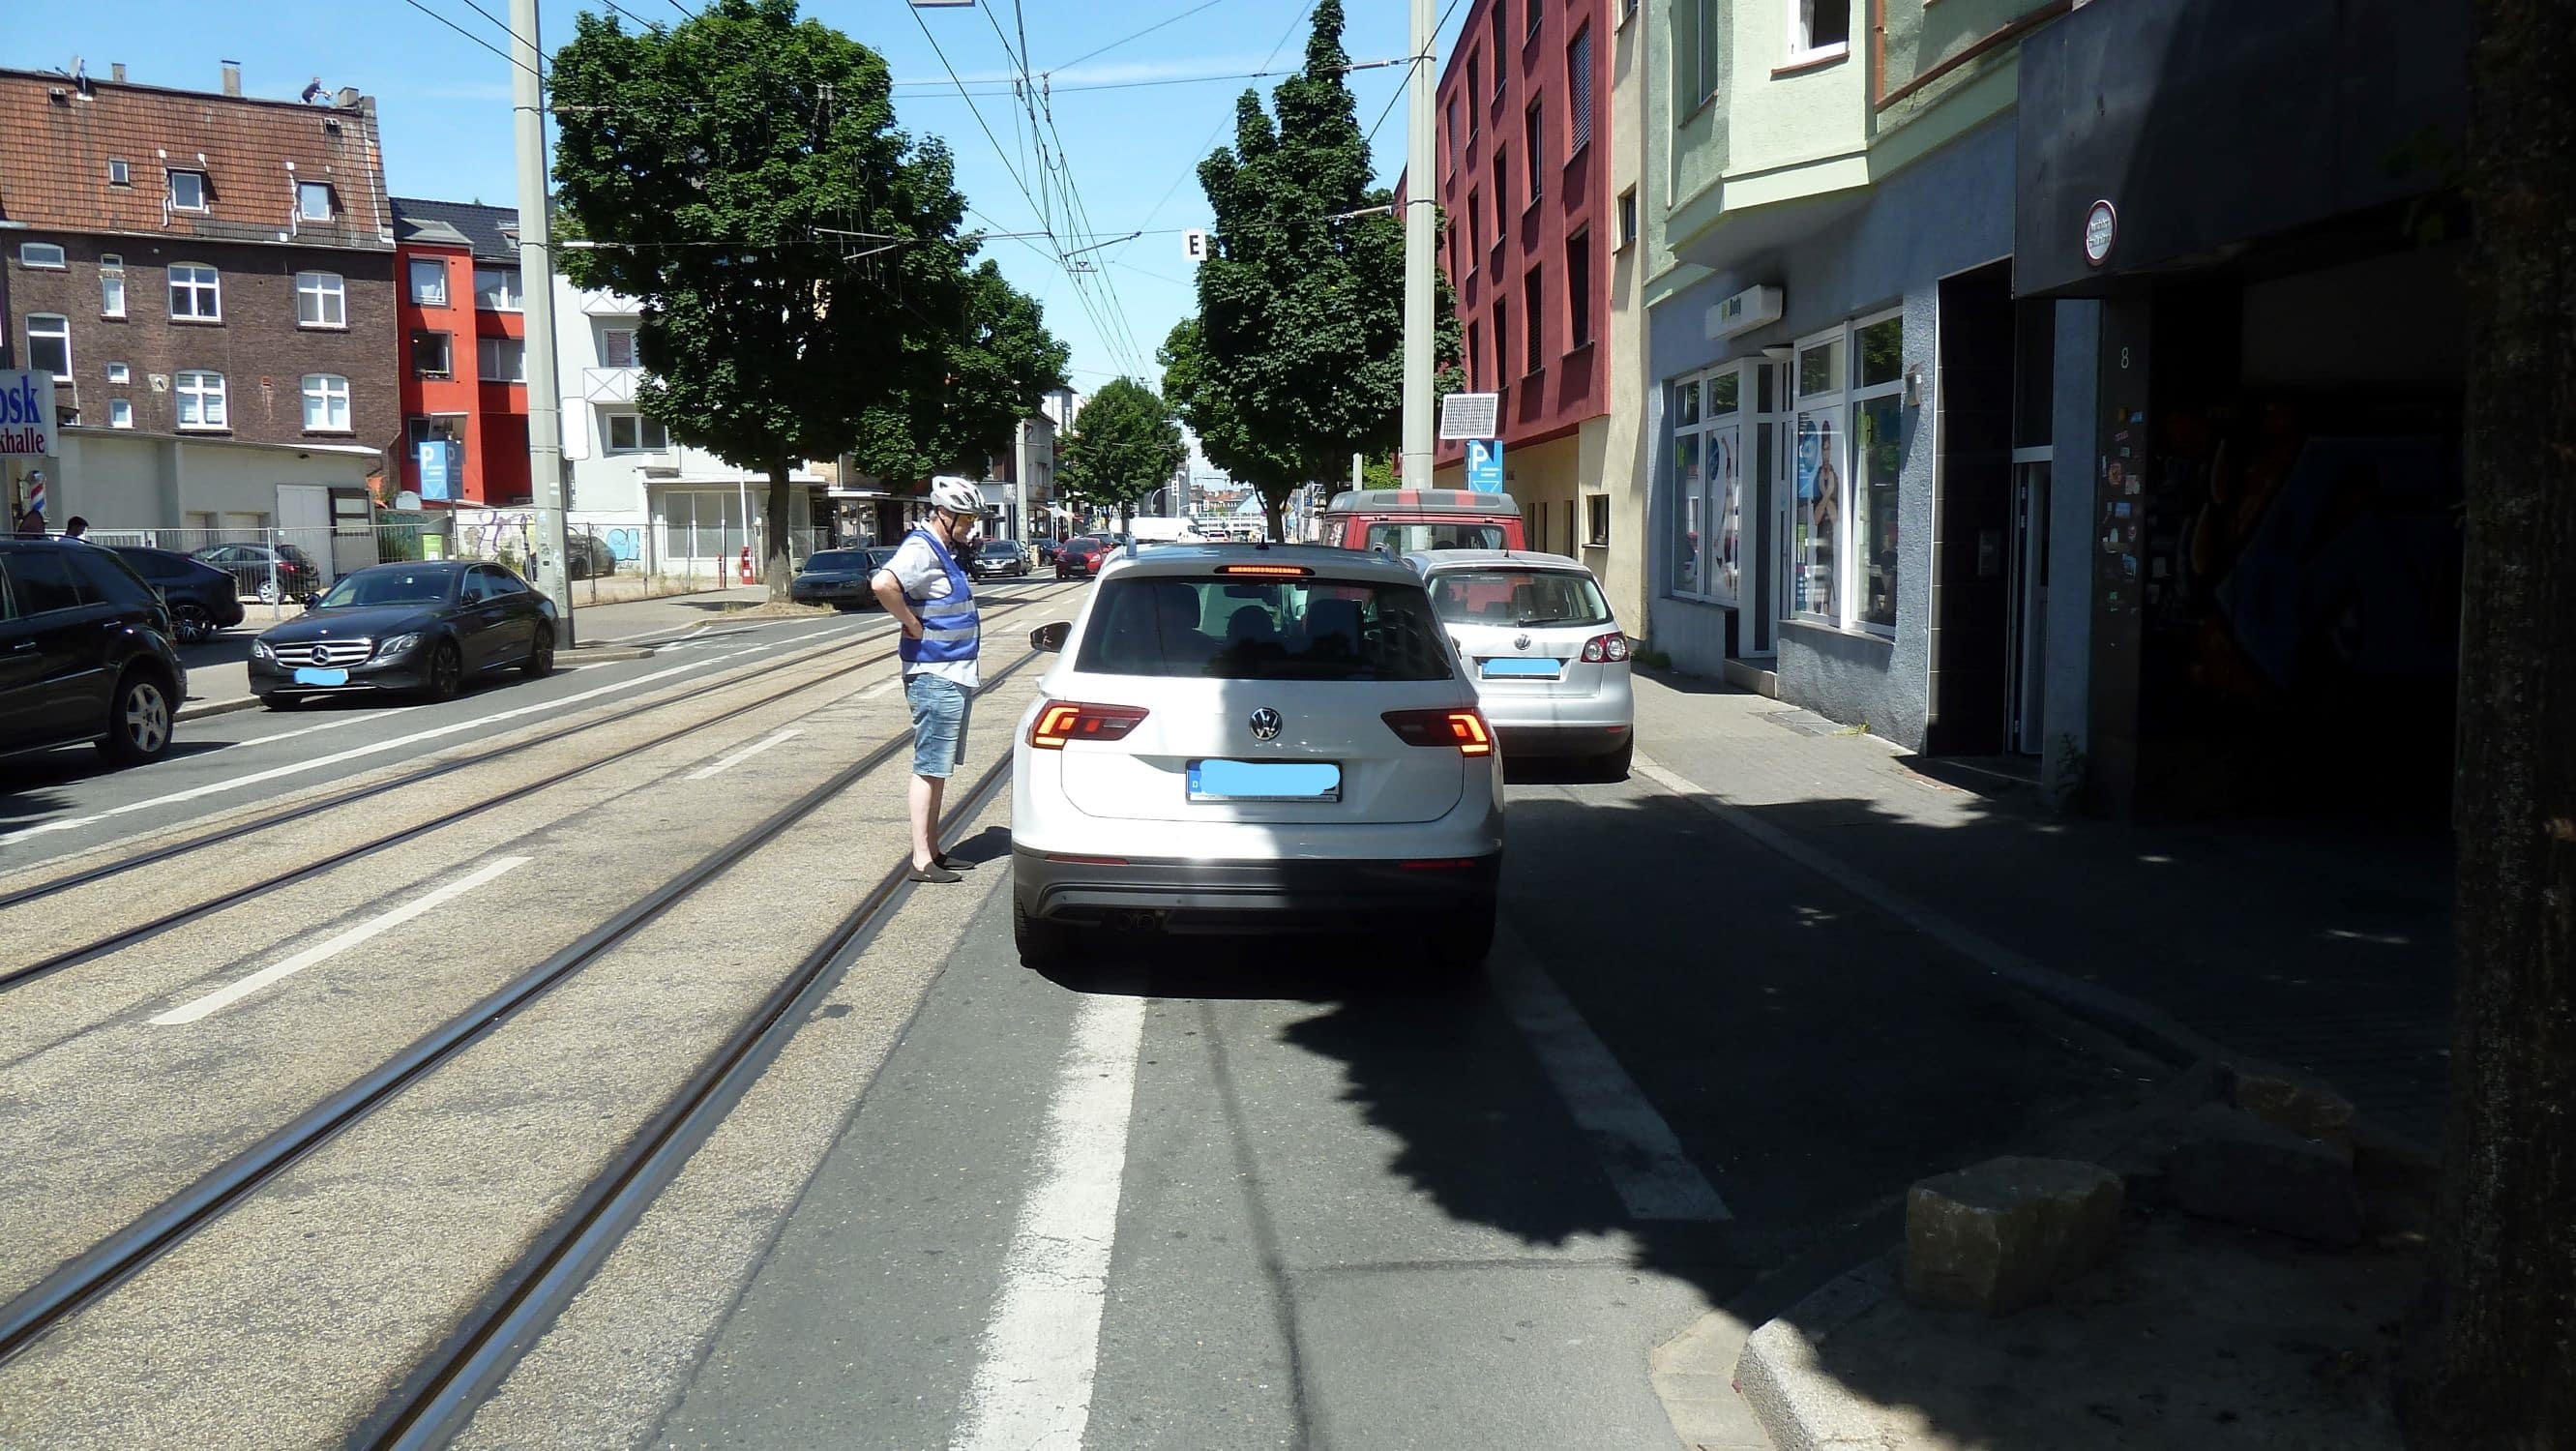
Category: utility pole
[537,301]
[1419,202]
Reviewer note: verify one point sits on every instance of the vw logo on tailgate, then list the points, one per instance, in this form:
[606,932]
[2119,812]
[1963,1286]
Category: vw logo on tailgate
[1267,724]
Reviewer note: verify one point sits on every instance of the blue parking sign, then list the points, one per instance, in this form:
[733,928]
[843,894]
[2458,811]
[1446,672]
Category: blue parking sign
[1485,465]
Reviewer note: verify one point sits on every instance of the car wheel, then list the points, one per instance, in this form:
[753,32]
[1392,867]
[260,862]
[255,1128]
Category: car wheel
[1614,766]
[1042,944]
[192,624]
[1459,948]
[446,671]
[541,660]
[138,723]
[268,591]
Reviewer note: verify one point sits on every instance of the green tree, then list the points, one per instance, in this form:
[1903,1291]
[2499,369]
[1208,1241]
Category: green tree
[1296,361]
[720,165]
[1126,448]
[2502,1299]
[992,374]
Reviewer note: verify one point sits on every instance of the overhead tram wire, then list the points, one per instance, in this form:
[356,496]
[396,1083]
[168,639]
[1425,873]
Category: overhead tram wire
[1189,168]
[478,40]
[1399,90]
[978,111]
[1139,35]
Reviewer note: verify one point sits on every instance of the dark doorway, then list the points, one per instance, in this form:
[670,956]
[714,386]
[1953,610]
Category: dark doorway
[1972,517]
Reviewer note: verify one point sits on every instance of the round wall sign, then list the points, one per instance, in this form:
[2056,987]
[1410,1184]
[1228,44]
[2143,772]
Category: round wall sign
[2101,229]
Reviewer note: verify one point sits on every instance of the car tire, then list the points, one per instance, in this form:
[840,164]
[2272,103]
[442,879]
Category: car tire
[269,590]
[446,672]
[191,623]
[1042,944]
[541,660]
[1459,949]
[140,719]
[1614,766]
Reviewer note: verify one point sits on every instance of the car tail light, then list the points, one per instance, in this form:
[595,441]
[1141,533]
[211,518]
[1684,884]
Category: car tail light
[1062,722]
[1613,648]
[1267,571]
[1464,729]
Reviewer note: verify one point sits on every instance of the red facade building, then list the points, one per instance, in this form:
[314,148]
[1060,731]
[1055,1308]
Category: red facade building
[1524,128]
[463,342]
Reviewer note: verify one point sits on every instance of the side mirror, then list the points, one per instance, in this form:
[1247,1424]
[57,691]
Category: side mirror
[311,599]
[1050,637]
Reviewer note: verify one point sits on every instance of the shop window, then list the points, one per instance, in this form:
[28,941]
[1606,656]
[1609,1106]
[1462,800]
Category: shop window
[1819,29]
[1878,445]
[1847,455]
[1707,486]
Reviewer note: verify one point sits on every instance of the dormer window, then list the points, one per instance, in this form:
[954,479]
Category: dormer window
[313,201]
[118,173]
[188,191]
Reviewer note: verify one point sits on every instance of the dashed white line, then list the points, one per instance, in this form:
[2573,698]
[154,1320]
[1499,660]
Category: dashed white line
[1041,1349]
[745,754]
[333,724]
[226,996]
[874,691]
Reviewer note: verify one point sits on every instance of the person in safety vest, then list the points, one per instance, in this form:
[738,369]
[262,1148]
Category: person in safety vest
[926,591]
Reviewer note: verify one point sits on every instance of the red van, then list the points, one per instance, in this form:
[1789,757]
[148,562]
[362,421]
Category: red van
[1409,521]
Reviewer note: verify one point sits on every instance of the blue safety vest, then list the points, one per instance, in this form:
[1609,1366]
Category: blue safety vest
[949,629]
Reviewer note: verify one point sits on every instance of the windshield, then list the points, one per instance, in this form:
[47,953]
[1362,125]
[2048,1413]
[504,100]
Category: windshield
[1272,630]
[838,559]
[1000,546]
[1413,538]
[369,587]
[1518,597]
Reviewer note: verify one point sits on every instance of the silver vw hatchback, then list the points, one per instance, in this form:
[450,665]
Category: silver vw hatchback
[1549,663]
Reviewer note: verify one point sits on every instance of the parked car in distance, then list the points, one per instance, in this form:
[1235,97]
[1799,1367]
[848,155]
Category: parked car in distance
[423,629]
[269,573]
[201,597]
[85,653]
[1046,548]
[1404,521]
[1080,557]
[999,557]
[1549,662]
[839,578]
[586,555]
[1256,739]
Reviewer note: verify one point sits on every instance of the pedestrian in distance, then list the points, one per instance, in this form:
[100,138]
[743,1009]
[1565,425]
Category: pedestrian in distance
[76,528]
[927,593]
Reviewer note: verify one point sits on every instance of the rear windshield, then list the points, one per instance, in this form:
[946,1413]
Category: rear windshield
[1267,630]
[1521,597]
[1000,546]
[839,559]
[1414,538]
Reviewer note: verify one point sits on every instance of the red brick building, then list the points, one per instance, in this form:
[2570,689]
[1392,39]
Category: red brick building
[206,266]
[1523,116]
[463,347]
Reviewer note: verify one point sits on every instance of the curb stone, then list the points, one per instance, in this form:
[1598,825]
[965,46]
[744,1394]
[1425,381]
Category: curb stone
[1801,1406]
[203,709]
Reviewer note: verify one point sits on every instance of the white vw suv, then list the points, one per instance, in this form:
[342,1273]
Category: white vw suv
[1255,738]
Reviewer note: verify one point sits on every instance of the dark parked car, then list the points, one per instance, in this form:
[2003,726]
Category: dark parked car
[85,653]
[202,598]
[269,572]
[839,578]
[1046,550]
[422,628]
[997,557]
[1081,556]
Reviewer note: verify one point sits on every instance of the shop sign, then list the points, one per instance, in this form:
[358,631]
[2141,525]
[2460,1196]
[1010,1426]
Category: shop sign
[2101,229]
[26,413]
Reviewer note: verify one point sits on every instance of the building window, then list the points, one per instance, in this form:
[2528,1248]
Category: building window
[503,360]
[1707,485]
[1578,91]
[1502,60]
[321,300]
[444,427]
[1537,8]
[1817,506]
[1578,289]
[188,191]
[1537,149]
[1819,28]
[120,413]
[1712,37]
[1502,341]
[1627,11]
[326,403]
[196,292]
[1596,521]
[1878,452]
[118,173]
[45,255]
[313,201]
[431,356]
[1475,355]
[111,285]
[428,282]
[1475,228]
[617,347]
[1533,330]
[119,373]
[1842,553]
[496,289]
[635,433]
[1502,195]
[1453,136]
[49,343]
[201,399]
[1475,92]
[1627,218]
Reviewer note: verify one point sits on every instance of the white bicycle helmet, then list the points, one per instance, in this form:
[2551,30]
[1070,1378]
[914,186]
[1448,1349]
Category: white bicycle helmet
[957,497]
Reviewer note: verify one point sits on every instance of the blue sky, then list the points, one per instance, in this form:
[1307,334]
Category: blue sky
[444,104]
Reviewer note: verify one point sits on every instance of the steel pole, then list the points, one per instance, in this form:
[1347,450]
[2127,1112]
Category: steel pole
[537,304]
[1419,210]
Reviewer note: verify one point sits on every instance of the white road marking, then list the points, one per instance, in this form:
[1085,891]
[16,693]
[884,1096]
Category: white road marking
[333,724]
[745,754]
[225,997]
[1637,1149]
[235,783]
[1041,1349]
[873,692]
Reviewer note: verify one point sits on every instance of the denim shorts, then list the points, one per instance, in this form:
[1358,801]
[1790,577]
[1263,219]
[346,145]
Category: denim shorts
[938,724]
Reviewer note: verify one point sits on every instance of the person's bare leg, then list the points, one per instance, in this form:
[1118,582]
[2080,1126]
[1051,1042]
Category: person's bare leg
[926,791]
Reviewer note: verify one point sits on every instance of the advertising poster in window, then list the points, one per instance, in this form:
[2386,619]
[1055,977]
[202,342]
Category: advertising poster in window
[1817,516]
[1727,506]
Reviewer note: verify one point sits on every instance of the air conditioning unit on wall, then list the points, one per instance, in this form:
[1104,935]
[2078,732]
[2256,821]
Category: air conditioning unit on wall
[1752,308]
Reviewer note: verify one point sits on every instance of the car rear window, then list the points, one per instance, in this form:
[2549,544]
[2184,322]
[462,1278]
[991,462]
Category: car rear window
[38,582]
[1414,538]
[838,559]
[1227,629]
[108,579]
[1522,597]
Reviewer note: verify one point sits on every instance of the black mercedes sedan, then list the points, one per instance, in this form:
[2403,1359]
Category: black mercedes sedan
[839,578]
[202,598]
[423,629]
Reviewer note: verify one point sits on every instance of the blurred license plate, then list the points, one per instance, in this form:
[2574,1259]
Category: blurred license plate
[1524,667]
[1265,781]
[315,675]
